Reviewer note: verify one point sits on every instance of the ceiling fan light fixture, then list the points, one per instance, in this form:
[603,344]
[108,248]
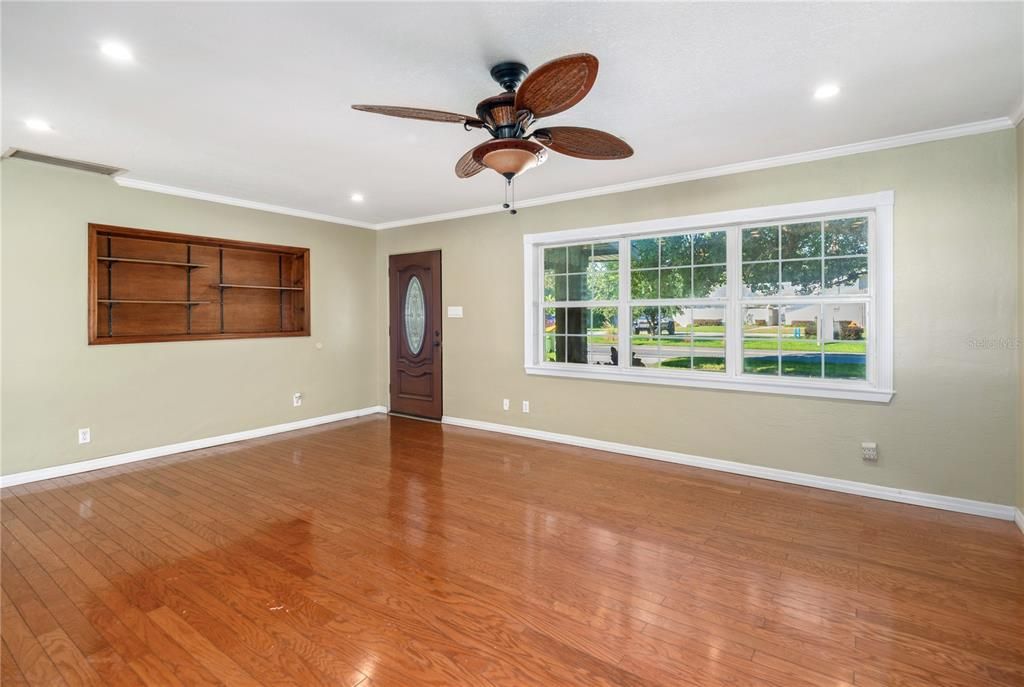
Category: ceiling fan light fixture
[511,162]
[510,157]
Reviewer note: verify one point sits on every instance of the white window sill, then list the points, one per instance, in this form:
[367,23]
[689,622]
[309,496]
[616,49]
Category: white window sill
[853,391]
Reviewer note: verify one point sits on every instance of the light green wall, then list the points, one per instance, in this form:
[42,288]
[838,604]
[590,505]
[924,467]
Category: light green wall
[1020,310]
[952,427]
[136,396]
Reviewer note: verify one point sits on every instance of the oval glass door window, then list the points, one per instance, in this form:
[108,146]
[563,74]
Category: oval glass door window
[415,315]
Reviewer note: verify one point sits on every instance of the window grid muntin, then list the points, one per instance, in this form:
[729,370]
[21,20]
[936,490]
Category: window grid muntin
[689,333]
[568,273]
[822,343]
[587,305]
[822,221]
[734,299]
[691,265]
[582,338]
[626,336]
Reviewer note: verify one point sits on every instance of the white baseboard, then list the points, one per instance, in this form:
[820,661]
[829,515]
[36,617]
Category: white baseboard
[951,503]
[147,453]
[917,498]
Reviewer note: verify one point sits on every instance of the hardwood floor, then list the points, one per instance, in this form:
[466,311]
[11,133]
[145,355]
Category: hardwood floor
[385,551]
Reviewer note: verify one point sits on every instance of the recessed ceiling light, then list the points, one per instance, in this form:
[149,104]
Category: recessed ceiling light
[119,52]
[38,125]
[826,91]
[357,197]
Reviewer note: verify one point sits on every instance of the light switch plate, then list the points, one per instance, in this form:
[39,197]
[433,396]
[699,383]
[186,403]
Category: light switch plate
[454,311]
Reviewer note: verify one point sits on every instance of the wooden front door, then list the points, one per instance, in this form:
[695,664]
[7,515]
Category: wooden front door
[415,331]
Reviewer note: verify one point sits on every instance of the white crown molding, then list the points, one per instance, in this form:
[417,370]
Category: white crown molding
[159,451]
[917,498]
[970,129]
[141,185]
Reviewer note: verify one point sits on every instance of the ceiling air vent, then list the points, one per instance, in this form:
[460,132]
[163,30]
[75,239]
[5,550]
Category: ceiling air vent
[106,170]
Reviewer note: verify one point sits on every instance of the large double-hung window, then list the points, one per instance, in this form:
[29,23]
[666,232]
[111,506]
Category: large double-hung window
[788,299]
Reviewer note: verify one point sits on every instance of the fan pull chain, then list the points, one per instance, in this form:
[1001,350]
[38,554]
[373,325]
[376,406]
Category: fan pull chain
[510,184]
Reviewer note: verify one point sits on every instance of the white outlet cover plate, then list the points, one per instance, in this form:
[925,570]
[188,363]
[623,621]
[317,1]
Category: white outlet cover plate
[454,311]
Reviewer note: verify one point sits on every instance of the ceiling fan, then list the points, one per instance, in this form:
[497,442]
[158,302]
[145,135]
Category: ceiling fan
[513,149]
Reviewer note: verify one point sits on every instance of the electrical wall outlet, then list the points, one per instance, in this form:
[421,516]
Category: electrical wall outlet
[869,451]
[504,404]
[526,406]
[84,435]
[297,399]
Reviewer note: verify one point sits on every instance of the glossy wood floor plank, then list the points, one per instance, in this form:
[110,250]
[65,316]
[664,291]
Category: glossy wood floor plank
[385,551]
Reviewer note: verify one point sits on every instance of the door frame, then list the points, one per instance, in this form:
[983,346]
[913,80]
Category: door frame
[394,336]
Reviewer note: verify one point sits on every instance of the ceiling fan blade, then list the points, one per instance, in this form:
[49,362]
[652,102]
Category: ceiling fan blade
[578,141]
[420,113]
[557,85]
[467,166]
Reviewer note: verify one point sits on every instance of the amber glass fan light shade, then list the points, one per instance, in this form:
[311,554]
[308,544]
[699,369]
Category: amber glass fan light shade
[510,161]
[510,157]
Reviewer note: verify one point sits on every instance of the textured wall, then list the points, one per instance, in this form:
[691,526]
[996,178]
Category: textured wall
[951,428]
[1020,309]
[136,396]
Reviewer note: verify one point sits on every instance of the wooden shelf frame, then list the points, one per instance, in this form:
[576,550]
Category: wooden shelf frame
[139,261]
[292,307]
[115,301]
[257,286]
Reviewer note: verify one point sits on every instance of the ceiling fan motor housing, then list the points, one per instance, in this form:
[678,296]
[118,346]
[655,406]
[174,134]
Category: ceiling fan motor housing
[499,114]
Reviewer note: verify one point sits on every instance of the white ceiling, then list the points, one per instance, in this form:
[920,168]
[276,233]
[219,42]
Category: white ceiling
[252,100]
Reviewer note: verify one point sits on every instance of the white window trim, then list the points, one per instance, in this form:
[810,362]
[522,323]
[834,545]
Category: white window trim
[878,388]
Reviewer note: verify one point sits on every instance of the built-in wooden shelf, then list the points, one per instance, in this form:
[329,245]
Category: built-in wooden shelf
[138,261]
[126,300]
[246,289]
[255,286]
